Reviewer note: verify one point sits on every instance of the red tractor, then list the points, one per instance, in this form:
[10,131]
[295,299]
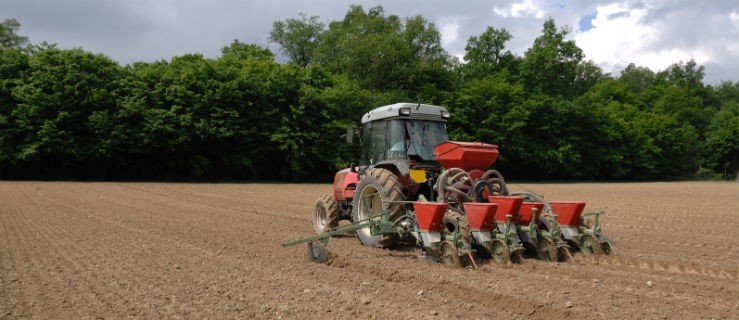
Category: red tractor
[397,166]
[412,183]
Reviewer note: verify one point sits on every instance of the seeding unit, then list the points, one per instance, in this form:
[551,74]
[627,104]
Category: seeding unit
[414,186]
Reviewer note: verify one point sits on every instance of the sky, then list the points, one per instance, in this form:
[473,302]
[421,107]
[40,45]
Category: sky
[648,33]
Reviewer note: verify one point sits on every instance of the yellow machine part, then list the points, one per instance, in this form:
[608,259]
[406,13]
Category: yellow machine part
[418,176]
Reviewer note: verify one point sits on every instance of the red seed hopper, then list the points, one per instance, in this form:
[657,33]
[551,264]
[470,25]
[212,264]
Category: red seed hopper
[525,212]
[568,212]
[466,155]
[430,215]
[480,215]
[507,205]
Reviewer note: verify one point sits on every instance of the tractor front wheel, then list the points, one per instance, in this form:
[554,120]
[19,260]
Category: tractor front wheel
[325,214]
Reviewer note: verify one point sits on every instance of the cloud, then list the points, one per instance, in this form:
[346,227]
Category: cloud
[449,29]
[651,33]
[520,9]
[657,35]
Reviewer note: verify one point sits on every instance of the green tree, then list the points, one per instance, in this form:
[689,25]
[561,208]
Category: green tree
[199,117]
[9,37]
[383,53]
[485,102]
[721,150]
[298,38]
[637,78]
[488,47]
[486,54]
[587,75]
[50,125]
[550,65]
[13,68]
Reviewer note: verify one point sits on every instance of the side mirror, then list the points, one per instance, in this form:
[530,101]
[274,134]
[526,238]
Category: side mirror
[353,167]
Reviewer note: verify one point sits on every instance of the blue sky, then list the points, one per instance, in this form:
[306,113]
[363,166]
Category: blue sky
[650,33]
[586,22]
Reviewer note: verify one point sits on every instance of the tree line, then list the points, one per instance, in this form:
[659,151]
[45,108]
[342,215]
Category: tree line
[72,114]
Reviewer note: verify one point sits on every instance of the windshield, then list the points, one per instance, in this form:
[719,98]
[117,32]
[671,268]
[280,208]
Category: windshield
[399,139]
[424,136]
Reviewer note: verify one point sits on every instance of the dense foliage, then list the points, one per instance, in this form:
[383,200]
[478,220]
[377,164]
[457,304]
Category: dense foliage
[73,114]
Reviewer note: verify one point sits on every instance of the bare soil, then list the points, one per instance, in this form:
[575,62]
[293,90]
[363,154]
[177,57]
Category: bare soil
[151,250]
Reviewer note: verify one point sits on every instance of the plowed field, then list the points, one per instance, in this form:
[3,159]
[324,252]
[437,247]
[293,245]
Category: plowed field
[151,250]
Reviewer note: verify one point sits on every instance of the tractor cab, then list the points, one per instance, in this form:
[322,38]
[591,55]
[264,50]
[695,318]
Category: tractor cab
[401,137]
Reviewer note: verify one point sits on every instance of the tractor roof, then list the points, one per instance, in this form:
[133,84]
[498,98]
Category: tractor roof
[414,111]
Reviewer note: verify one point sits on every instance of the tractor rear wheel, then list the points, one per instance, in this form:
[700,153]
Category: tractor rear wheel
[325,214]
[371,199]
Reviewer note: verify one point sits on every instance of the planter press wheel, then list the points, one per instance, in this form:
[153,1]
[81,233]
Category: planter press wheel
[450,254]
[317,252]
[325,214]
[517,256]
[499,252]
[546,249]
[590,245]
[607,248]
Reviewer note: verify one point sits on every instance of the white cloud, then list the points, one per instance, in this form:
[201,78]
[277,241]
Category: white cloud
[622,35]
[520,9]
[650,33]
[734,17]
[449,29]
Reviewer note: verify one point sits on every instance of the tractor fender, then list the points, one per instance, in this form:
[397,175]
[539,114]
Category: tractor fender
[345,182]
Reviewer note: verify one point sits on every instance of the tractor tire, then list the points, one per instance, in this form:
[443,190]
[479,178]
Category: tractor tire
[325,214]
[374,190]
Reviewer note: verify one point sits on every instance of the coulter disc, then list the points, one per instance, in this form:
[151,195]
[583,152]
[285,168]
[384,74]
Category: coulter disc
[607,248]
